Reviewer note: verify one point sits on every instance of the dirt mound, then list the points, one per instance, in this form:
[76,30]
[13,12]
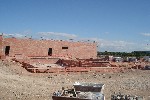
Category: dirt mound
[18,84]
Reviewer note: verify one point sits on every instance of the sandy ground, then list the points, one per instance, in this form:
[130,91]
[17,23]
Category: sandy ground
[18,84]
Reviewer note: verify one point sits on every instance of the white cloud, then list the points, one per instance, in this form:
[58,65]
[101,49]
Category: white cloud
[144,47]
[17,35]
[146,34]
[66,35]
[103,44]
[123,46]
[117,45]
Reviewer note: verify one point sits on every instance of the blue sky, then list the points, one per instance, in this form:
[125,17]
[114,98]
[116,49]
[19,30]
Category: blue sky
[117,25]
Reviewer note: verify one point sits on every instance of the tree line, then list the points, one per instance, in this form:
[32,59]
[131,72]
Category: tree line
[125,54]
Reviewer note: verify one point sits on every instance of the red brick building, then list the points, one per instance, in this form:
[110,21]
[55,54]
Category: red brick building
[14,47]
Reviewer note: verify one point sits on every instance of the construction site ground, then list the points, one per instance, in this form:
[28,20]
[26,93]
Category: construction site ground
[18,84]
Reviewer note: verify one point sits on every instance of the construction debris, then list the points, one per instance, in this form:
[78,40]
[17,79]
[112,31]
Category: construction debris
[81,91]
[125,97]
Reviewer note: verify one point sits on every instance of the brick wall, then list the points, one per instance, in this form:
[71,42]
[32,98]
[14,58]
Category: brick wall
[30,47]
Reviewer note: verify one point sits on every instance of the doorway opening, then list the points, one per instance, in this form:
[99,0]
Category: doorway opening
[50,51]
[7,49]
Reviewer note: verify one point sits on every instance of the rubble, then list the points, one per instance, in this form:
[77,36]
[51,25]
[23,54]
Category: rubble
[120,96]
[81,91]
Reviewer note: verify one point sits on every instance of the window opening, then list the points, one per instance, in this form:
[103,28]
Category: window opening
[64,47]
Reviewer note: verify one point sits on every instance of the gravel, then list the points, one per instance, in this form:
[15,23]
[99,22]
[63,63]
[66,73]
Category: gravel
[18,84]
